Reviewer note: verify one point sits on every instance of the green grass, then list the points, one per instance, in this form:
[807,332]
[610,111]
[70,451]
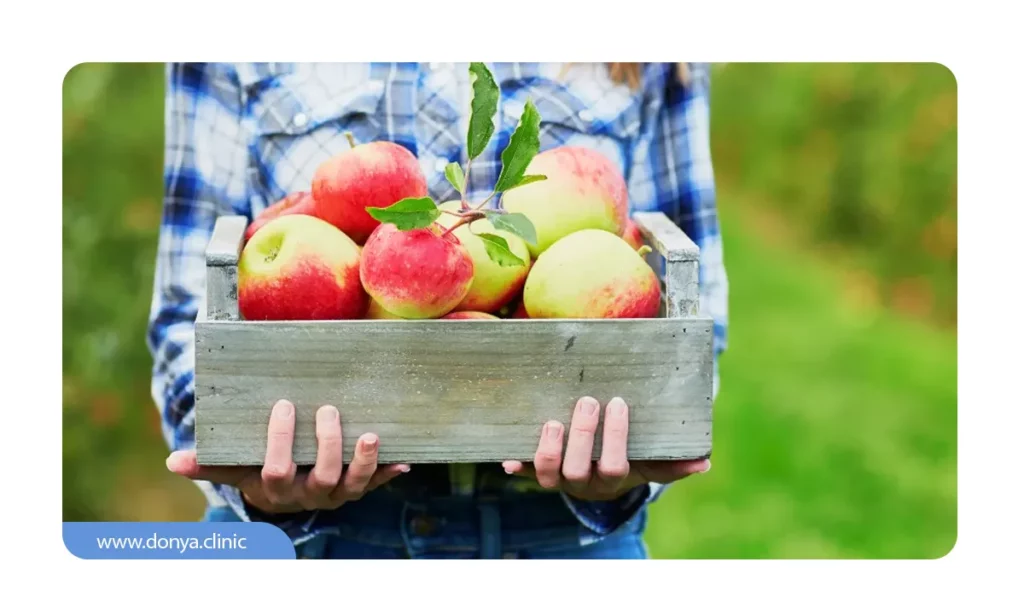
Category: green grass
[834,431]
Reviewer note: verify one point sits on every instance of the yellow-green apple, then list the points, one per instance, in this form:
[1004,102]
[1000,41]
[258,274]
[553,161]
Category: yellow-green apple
[493,285]
[632,235]
[415,274]
[591,274]
[470,315]
[376,312]
[296,202]
[583,190]
[377,174]
[298,267]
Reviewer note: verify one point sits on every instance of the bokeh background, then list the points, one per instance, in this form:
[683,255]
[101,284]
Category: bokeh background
[835,428]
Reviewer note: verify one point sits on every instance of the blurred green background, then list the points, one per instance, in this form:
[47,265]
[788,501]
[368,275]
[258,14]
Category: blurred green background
[835,429]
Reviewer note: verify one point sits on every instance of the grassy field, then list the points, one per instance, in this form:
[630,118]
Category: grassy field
[834,432]
[835,429]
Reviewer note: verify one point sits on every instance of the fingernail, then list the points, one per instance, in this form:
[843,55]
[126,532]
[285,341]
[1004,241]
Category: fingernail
[707,467]
[589,406]
[617,407]
[370,443]
[404,468]
[552,430]
[283,409]
[327,414]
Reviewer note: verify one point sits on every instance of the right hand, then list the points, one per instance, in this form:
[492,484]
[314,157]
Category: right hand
[278,488]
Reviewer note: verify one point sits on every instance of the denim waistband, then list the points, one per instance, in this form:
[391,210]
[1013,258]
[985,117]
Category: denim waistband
[487,523]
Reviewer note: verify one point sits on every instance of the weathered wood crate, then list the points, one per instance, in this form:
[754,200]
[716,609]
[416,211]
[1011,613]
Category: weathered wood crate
[447,391]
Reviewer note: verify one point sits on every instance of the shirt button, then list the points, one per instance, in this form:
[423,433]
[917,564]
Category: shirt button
[586,115]
[423,526]
[440,165]
[300,120]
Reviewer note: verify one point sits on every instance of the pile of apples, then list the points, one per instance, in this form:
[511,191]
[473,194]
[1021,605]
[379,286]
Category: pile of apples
[366,242]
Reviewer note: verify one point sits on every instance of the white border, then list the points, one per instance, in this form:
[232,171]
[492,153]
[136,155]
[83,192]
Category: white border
[45,45]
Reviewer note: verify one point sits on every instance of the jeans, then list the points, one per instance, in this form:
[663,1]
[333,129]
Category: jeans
[527,526]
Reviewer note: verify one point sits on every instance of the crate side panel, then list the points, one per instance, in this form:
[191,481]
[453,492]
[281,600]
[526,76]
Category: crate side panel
[451,391]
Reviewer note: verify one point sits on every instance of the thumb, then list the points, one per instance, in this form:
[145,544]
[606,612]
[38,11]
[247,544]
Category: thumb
[185,464]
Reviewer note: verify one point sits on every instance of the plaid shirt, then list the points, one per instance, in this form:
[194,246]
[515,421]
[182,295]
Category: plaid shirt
[241,136]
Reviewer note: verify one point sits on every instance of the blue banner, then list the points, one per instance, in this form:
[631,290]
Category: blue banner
[177,540]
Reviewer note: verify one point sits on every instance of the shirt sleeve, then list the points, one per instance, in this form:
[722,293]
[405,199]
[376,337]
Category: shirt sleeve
[204,177]
[670,170]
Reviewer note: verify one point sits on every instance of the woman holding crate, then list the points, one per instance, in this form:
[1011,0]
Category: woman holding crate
[241,136]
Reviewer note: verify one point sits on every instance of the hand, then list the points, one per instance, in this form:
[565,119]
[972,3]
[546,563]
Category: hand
[278,488]
[613,475]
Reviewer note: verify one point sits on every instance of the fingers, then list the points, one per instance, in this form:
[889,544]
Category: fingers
[326,473]
[547,462]
[386,474]
[613,466]
[360,470]
[515,467]
[184,463]
[278,467]
[665,472]
[580,449]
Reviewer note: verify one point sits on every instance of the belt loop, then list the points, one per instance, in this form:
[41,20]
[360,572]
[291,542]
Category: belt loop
[490,530]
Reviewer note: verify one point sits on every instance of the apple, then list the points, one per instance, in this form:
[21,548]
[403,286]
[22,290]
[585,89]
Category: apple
[376,174]
[583,190]
[592,274]
[296,202]
[493,285]
[299,267]
[415,274]
[632,235]
[376,312]
[470,315]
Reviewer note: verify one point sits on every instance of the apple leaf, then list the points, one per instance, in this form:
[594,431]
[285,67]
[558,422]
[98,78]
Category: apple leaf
[522,147]
[482,108]
[527,180]
[498,251]
[408,213]
[516,223]
[455,177]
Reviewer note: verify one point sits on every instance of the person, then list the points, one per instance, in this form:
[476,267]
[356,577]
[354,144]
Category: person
[241,136]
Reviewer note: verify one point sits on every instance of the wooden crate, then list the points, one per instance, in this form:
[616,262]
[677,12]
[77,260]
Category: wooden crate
[446,391]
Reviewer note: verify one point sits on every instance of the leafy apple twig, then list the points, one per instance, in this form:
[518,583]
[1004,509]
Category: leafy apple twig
[414,213]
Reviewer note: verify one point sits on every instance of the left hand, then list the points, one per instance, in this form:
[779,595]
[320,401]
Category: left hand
[611,476]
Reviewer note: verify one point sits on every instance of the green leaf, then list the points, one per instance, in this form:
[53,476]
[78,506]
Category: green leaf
[522,147]
[455,177]
[408,213]
[498,251]
[482,108]
[527,180]
[516,223]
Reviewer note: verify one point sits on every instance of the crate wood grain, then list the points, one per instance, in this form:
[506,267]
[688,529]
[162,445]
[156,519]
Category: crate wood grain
[453,391]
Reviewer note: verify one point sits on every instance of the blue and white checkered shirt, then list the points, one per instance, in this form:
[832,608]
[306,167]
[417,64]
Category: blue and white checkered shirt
[241,136]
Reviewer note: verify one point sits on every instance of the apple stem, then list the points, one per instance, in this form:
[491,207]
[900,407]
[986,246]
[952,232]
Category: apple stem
[466,219]
[486,200]
[465,184]
[351,140]
[644,250]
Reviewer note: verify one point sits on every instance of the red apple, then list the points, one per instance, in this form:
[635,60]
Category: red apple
[633,236]
[584,189]
[297,202]
[415,274]
[377,174]
[470,315]
[298,267]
